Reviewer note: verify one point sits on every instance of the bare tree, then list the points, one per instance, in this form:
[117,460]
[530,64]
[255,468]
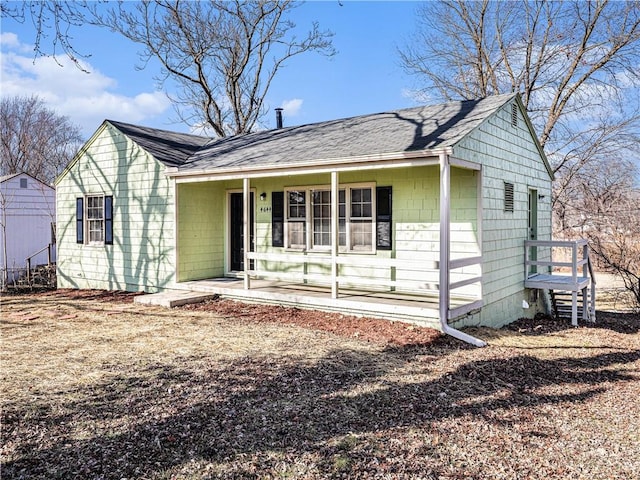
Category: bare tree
[562,56]
[577,66]
[610,219]
[221,55]
[575,63]
[35,139]
[53,21]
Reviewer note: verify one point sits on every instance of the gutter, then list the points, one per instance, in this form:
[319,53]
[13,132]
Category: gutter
[445,254]
[359,161]
[476,342]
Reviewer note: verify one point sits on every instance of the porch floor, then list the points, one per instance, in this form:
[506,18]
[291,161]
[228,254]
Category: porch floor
[419,309]
[556,282]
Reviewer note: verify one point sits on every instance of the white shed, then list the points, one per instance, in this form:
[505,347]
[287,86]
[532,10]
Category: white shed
[27,223]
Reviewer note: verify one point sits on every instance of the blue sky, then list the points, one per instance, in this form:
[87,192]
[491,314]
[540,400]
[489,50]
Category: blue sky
[364,77]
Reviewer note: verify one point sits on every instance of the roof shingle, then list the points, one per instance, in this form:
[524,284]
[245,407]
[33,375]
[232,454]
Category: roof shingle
[170,148]
[408,130]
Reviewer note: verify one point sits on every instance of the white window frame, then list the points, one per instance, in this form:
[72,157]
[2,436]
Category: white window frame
[289,220]
[309,231]
[87,221]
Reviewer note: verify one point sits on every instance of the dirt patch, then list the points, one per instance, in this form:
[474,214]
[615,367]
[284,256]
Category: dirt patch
[363,328]
[94,386]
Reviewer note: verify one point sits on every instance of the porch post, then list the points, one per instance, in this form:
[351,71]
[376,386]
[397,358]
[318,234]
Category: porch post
[334,233]
[246,202]
[445,233]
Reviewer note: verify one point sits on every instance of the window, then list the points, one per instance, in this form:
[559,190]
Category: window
[23,183]
[321,217]
[95,217]
[297,218]
[309,210]
[508,197]
[361,220]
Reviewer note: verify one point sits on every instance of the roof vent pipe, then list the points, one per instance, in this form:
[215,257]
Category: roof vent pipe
[278,117]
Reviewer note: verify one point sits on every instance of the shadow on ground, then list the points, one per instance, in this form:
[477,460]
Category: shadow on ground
[620,322]
[145,422]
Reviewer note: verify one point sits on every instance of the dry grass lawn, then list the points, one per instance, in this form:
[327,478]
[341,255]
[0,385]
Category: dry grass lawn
[100,388]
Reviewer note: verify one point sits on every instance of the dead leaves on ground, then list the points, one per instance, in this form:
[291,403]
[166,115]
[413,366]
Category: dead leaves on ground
[263,393]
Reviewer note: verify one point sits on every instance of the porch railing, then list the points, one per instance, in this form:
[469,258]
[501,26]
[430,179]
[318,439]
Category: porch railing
[426,279]
[572,272]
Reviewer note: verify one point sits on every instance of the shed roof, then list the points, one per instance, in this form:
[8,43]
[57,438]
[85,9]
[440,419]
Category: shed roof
[5,178]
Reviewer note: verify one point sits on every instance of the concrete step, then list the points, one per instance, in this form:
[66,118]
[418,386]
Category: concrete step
[174,298]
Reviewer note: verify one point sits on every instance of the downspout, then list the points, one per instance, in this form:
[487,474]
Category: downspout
[445,254]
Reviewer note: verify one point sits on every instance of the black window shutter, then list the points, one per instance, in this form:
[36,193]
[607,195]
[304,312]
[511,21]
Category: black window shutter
[277,219]
[80,220]
[108,220]
[383,218]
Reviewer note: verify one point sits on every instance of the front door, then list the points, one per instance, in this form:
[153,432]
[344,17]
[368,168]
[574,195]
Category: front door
[236,231]
[533,226]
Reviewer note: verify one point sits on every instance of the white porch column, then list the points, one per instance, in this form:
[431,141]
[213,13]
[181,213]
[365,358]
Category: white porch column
[246,229]
[445,234]
[335,201]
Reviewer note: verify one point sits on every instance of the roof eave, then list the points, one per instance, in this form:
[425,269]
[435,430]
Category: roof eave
[532,131]
[375,160]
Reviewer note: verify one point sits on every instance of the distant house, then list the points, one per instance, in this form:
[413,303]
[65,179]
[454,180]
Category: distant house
[27,216]
[418,214]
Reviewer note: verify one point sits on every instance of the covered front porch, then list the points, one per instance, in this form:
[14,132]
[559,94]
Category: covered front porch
[400,241]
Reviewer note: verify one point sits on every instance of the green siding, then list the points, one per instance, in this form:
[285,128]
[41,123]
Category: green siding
[507,154]
[416,191]
[201,227]
[142,256]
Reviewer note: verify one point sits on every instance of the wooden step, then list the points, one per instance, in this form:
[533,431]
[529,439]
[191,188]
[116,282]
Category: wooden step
[562,303]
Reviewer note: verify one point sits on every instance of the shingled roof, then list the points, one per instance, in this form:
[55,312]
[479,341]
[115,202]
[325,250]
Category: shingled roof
[418,129]
[170,148]
[407,130]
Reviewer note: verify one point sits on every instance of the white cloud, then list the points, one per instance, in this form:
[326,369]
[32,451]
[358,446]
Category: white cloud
[292,107]
[86,98]
[9,39]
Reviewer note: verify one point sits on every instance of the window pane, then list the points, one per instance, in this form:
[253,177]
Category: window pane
[361,206]
[342,232]
[297,204]
[366,210]
[297,234]
[361,235]
[95,231]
